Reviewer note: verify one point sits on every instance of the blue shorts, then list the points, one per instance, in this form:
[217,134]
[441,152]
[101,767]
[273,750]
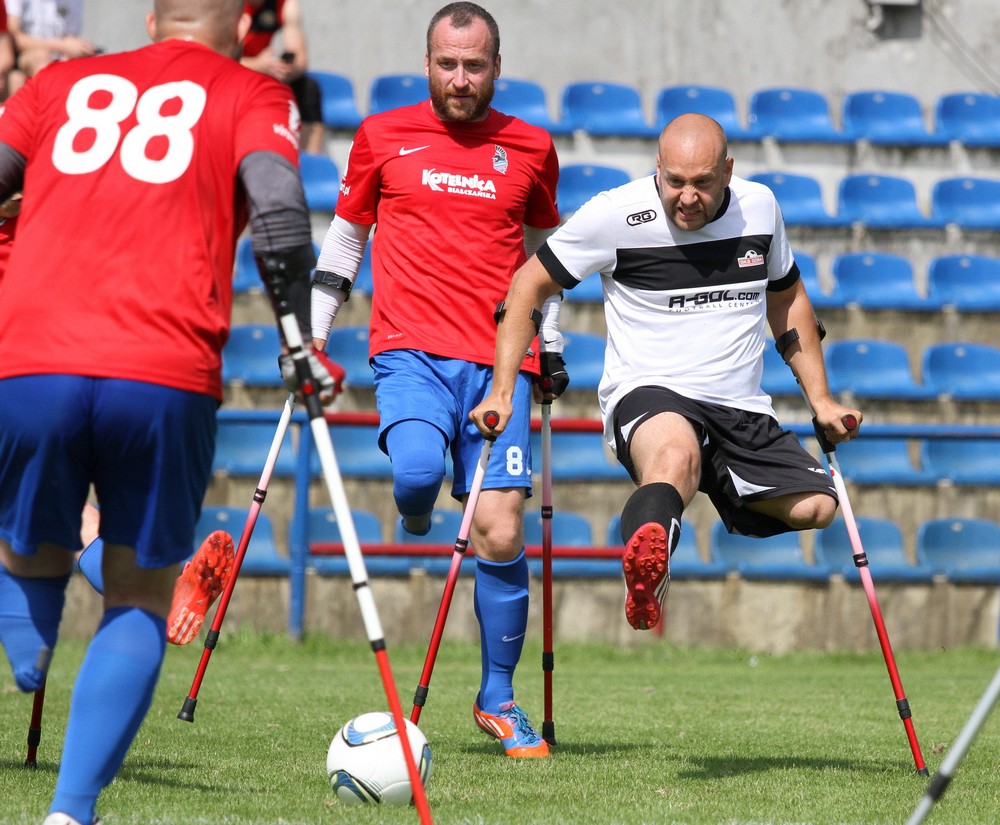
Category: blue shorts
[443,391]
[147,449]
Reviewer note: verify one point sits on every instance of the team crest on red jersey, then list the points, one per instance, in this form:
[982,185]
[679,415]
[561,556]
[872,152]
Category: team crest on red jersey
[500,159]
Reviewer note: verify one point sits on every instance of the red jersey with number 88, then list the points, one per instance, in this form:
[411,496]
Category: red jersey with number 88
[132,208]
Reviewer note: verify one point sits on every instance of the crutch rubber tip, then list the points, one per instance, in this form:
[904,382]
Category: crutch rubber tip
[549,733]
[850,422]
[187,711]
[924,772]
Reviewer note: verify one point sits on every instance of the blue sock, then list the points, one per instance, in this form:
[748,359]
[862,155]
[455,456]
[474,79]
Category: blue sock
[30,610]
[90,562]
[416,450]
[501,602]
[113,691]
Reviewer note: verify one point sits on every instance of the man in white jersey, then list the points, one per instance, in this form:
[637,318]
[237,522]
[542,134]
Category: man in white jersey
[693,261]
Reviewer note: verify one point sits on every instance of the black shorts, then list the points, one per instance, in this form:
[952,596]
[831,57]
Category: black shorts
[308,98]
[745,457]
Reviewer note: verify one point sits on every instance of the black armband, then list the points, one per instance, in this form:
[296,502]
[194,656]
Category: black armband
[536,316]
[322,276]
[286,277]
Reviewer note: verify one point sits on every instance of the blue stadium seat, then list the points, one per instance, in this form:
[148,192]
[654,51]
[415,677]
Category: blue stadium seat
[966,372]
[250,356]
[241,449]
[887,118]
[820,298]
[788,114]
[873,369]
[584,356]
[878,280]
[394,90]
[717,103]
[881,461]
[262,557]
[526,99]
[686,562]
[882,541]
[881,202]
[966,461]
[337,100]
[579,182]
[246,276]
[778,378]
[589,291]
[969,283]
[321,180]
[322,526]
[800,198]
[969,202]
[568,529]
[356,449]
[577,456]
[445,525]
[613,109]
[969,117]
[775,557]
[348,346]
[965,550]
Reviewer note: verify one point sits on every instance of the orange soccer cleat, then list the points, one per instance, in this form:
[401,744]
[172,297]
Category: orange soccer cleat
[199,585]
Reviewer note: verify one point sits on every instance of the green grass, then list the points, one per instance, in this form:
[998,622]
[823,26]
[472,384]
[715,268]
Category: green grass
[649,735]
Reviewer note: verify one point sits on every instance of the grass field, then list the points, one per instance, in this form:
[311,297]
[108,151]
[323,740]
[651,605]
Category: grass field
[649,735]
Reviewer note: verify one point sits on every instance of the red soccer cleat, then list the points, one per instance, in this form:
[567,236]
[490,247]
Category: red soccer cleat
[646,564]
[199,585]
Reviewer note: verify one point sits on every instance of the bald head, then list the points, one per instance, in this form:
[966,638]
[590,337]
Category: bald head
[217,24]
[691,134]
[693,169]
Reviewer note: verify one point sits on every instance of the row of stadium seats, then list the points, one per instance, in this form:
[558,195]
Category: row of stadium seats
[242,448]
[784,113]
[868,368]
[868,279]
[876,201]
[961,549]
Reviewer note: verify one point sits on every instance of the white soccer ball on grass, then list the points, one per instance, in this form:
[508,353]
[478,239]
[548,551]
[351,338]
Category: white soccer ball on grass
[365,761]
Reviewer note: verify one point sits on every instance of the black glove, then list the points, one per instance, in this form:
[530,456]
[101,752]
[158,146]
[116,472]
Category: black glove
[554,378]
[328,375]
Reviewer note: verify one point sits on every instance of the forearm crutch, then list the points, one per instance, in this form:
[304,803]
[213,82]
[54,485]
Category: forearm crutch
[548,656]
[939,784]
[491,419]
[35,727]
[212,637]
[352,548]
[860,557]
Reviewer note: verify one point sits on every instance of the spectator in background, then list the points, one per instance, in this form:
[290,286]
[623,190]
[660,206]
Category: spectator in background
[290,65]
[44,31]
[7,58]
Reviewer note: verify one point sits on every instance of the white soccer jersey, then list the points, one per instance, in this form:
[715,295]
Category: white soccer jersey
[685,310]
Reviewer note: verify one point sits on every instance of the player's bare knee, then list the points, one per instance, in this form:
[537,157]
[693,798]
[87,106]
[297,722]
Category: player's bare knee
[813,513]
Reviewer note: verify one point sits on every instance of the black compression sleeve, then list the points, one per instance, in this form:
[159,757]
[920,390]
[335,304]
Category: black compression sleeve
[12,165]
[279,217]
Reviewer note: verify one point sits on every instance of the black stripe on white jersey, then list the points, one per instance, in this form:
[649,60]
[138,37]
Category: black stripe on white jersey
[694,266]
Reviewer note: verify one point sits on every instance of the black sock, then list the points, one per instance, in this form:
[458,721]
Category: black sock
[659,502]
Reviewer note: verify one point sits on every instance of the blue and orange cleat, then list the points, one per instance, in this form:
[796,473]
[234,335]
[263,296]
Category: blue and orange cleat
[512,728]
[199,585]
[646,564]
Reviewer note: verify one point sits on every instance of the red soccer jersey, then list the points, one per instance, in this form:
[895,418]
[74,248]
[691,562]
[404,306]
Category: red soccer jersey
[123,262]
[450,201]
[265,21]
[7,229]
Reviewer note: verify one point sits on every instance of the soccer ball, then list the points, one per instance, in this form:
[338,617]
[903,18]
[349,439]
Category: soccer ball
[365,761]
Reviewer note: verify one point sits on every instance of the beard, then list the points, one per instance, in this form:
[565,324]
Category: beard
[466,110]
